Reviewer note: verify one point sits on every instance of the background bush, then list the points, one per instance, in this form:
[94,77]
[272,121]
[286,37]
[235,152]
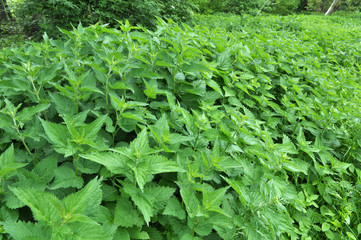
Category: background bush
[46,15]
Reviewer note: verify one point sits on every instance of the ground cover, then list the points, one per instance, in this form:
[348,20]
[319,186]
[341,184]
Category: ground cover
[234,128]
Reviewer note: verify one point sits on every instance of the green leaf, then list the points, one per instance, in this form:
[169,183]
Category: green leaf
[325,227]
[44,170]
[85,200]
[141,200]
[137,233]
[85,231]
[190,201]
[174,208]
[45,206]
[287,146]
[240,189]
[58,135]
[125,214]
[179,77]
[8,166]
[114,162]
[141,174]
[160,129]
[159,164]
[160,195]
[212,200]
[91,130]
[140,145]
[65,177]
[213,84]
[26,230]
[63,105]
[27,114]
[297,165]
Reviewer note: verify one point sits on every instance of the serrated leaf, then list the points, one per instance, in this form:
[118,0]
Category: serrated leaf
[179,77]
[85,231]
[175,138]
[140,145]
[24,230]
[63,104]
[190,201]
[116,163]
[58,135]
[287,146]
[212,200]
[137,233]
[27,114]
[8,166]
[297,165]
[85,200]
[125,215]
[44,170]
[248,139]
[174,208]
[141,200]
[65,177]
[11,201]
[159,164]
[160,195]
[91,130]
[141,174]
[45,206]
[240,189]
[214,85]
[160,129]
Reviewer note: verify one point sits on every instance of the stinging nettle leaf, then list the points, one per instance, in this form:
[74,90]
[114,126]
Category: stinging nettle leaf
[85,200]
[58,135]
[26,114]
[125,214]
[45,206]
[114,162]
[65,177]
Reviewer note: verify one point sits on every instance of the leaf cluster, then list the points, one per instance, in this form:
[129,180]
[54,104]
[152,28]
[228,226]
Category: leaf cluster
[183,132]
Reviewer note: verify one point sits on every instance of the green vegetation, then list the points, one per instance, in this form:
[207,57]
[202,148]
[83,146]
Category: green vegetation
[236,128]
[20,19]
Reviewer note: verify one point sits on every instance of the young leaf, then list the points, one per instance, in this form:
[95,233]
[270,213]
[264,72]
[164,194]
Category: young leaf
[212,200]
[191,202]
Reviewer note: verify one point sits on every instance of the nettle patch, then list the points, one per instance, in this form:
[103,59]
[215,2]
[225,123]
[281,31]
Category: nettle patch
[182,133]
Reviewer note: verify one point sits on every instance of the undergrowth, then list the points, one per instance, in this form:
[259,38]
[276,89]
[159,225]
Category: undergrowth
[206,132]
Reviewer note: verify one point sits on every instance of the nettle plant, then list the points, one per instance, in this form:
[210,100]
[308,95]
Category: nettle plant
[182,133]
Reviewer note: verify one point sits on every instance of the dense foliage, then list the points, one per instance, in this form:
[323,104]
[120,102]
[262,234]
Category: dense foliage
[323,5]
[184,133]
[37,16]
[32,18]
